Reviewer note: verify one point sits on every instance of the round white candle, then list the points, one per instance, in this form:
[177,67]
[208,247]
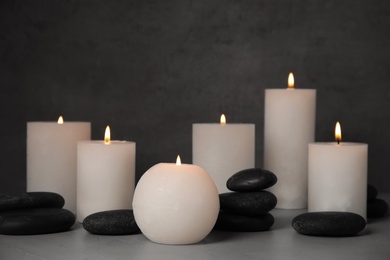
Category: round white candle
[338,177]
[52,157]
[289,125]
[223,149]
[105,176]
[176,204]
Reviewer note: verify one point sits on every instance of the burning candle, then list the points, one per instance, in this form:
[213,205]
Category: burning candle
[338,176]
[52,157]
[176,203]
[223,149]
[289,125]
[105,175]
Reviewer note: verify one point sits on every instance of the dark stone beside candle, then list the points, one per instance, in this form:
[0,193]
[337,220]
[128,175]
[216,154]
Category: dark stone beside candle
[240,223]
[111,222]
[250,203]
[335,224]
[29,200]
[376,208]
[35,221]
[250,180]
[372,192]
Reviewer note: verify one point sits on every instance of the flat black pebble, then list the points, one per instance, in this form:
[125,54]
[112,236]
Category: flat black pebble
[372,192]
[111,222]
[248,203]
[376,208]
[35,221]
[335,224]
[249,180]
[232,222]
[28,200]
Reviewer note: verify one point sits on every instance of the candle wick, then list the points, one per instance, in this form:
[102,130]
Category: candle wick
[338,141]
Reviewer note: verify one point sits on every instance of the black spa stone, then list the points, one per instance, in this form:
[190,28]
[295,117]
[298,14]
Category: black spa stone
[240,223]
[248,203]
[28,200]
[111,222]
[249,180]
[35,221]
[376,208]
[334,224]
[372,192]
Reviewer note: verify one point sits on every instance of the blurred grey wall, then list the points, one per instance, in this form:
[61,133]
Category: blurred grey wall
[151,68]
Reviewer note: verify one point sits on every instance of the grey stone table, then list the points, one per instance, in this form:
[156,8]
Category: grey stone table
[281,242]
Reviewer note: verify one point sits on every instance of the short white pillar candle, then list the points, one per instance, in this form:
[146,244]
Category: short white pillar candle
[338,177]
[52,157]
[105,176]
[176,203]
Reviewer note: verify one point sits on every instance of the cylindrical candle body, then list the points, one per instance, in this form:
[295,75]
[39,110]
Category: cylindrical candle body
[105,176]
[289,125]
[338,177]
[223,150]
[176,204]
[52,157]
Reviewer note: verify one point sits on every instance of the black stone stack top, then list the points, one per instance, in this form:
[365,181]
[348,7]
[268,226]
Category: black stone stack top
[246,208]
[31,213]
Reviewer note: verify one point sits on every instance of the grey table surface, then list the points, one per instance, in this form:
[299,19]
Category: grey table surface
[280,242]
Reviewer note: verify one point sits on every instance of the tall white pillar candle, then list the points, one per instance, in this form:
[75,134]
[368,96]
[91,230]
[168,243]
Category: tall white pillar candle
[338,177]
[52,157]
[176,203]
[105,176]
[289,125]
[223,149]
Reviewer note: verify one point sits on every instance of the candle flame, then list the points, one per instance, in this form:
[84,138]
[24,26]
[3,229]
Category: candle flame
[107,135]
[60,120]
[291,81]
[223,119]
[178,160]
[337,133]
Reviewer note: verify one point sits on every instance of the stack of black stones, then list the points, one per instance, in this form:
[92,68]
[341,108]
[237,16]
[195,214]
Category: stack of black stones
[246,208]
[34,213]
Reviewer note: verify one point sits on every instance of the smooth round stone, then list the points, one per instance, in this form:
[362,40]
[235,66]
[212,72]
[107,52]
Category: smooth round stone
[249,180]
[376,208]
[372,192]
[248,203]
[232,222]
[28,200]
[111,222]
[35,221]
[335,224]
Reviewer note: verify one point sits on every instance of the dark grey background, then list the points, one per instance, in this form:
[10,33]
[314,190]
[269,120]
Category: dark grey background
[152,68]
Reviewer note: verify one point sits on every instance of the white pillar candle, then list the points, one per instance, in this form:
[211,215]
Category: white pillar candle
[338,177]
[223,149]
[289,125]
[176,203]
[52,157]
[105,176]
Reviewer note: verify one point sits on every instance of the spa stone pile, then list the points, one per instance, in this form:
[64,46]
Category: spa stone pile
[246,208]
[31,213]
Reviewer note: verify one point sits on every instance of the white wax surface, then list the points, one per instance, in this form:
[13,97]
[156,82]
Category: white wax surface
[223,150]
[105,176]
[338,177]
[289,125]
[175,204]
[52,157]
